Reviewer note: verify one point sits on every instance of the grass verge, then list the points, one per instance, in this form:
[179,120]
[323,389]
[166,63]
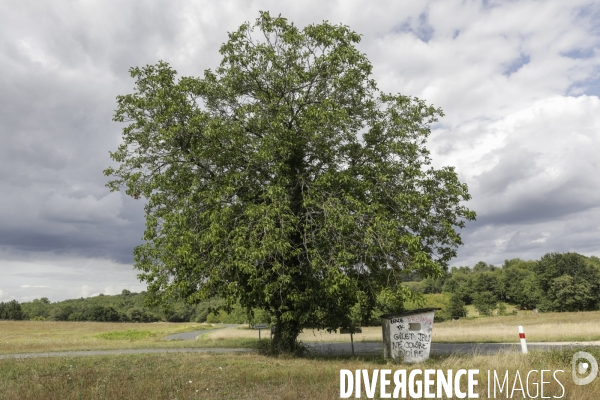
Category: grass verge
[250,376]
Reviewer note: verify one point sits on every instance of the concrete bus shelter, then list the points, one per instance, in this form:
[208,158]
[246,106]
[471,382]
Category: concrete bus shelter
[407,334]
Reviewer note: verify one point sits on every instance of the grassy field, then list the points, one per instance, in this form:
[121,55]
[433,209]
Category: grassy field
[250,376]
[549,327]
[42,336]
[546,327]
[247,376]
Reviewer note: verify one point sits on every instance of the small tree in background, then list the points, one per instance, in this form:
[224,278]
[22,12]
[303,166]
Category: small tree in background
[485,303]
[501,309]
[456,307]
[11,310]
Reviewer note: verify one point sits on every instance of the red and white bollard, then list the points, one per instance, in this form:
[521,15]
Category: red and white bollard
[522,337]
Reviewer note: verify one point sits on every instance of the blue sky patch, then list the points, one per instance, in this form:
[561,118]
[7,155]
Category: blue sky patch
[422,29]
[516,64]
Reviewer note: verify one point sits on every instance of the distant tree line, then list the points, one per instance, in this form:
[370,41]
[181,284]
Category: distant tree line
[125,307]
[556,282]
[11,310]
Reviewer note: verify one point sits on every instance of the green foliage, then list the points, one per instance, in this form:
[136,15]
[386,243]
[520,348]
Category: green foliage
[126,335]
[520,284]
[556,282]
[130,307]
[486,282]
[285,181]
[501,309]
[63,312]
[456,307]
[124,307]
[485,303]
[139,314]
[431,285]
[569,281]
[37,309]
[11,311]
[461,283]
[572,295]
[483,267]
[178,312]
[515,283]
[102,314]
[236,316]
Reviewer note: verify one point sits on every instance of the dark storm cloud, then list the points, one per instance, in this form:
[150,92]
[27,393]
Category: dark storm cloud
[62,68]
[532,209]
[63,64]
[496,242]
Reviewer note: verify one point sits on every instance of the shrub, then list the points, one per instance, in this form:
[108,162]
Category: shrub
[456,308]
[485,302]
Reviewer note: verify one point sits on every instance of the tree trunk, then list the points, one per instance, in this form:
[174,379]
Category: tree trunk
[285,337]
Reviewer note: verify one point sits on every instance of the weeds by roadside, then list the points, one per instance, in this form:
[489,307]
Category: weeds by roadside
[249,376]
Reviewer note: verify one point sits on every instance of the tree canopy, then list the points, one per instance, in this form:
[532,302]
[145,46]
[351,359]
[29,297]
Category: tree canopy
[285,180]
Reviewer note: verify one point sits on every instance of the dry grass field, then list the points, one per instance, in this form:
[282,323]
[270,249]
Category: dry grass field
[43,336]
[549,327]
[249,376]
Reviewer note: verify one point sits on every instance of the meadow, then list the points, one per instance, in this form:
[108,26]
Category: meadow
[542,327]
[251,376]
[44,336]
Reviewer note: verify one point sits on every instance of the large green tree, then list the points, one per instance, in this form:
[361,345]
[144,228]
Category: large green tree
[285,180]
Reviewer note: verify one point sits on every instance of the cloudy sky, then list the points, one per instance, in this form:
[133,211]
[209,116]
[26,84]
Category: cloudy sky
[518,81]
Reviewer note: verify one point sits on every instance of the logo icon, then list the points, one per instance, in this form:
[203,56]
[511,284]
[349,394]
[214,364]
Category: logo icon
[581,368]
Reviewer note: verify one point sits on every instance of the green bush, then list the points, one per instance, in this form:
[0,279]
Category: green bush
[456,307]
[11,311]
[485,303]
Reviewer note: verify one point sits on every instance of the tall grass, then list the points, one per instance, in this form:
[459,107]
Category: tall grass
[550,327]
[247,376]
[546,327]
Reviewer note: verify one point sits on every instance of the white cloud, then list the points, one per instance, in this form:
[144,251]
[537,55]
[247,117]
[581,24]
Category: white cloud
[463,67]
[543,155]
[4,296]
[87,291]
[64,276]
[535,185]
